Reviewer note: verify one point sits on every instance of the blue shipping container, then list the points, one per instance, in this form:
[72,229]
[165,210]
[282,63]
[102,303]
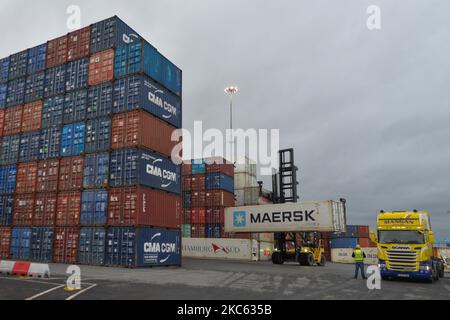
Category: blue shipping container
[16,92]
[187,199]
[75,106]
[72,139]
[213,231]
[37,58]
[18,64]
[140,92]
[20,244]
[3,95]
[344,243]
[91,249]
[9,152]
[6,209]
[98,135]
[350,232]
[52,112]
[94,208]
[100,101]
[143,247]
[34,87]
[29,146]
[139,167]
[50,143]
[4,69]
[95,174]
[219,181]
[77,74]
[8,179]
[111,33]
[55,81]
[41,244]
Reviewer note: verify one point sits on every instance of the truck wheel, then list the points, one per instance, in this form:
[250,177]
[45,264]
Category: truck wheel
[322,261]
[435,272]
[310,259]
[277,258]
[441,271]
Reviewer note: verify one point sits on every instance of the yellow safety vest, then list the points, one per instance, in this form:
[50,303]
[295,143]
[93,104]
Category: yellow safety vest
[359,255]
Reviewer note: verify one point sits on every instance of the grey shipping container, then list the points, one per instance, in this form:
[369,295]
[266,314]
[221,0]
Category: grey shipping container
[55,81]
[98,135]
[29,146]
[77,74]
[52,112]
[41,244]
[100,101]
[95,174]
[50,143]
[91,248]
[34,87]
[9,152]
[6,209]
[18,64]
[37,58]
[16,92]
[75,106]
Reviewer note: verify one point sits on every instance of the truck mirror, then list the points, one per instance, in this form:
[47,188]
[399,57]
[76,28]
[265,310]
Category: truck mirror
[372,236]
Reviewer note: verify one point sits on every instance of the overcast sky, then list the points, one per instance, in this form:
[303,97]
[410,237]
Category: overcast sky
[367,112]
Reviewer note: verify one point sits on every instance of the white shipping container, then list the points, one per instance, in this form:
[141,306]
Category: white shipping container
[344,255]
[233,249]
[244,180]
[323,216]
[239,195]
[445,254]
[245,165]
[251,196]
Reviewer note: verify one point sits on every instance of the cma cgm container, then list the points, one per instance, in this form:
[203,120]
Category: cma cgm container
[8,179]
[47,176]
[94,208]
[6,210]
[143,247]
[139,206]
[20,244]
[96,170]
[71,173]
[91,249]
[34,87]
[72,139]
[140,92]
[41,244]
[132,167]
[37,57]
[5,240]
[10,150]
[45,209]
[65,245]
[100,100]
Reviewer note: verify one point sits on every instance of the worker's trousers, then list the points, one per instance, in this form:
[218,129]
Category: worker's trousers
[359,265]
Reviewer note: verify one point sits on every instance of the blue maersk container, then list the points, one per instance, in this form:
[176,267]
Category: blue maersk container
[41,244]
[100,101]
[75,106]
[344,243]
[77,74]
[6,209]
[18,64]
[20,244]
[213,231]
[94,208]
[37,58]
[52,112]
[4,69]
[219,181]
[198,167]
[91,249]
[50,143]
[34,87]
[9,152]
[98,135]
[3,95]
[96,170]
[72,140]
[111,33]
[16,92]
[140,92]
[141,57]
[55,81]
[143,247]
[131,167]
[8,179]
[29,146]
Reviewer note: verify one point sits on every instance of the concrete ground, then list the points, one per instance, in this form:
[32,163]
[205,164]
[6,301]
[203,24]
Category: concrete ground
[217,280]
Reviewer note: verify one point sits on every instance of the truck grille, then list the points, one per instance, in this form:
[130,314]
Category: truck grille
[402,260]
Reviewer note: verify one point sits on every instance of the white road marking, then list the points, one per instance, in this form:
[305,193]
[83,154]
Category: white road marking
[80,292]
[45,292]
[33,281]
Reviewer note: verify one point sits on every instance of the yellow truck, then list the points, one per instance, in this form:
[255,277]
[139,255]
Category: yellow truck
[405,246]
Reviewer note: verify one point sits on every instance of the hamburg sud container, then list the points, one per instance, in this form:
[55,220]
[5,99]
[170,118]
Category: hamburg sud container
[143,247]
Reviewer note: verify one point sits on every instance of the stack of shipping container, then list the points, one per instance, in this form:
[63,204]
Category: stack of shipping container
[246,188]
[85,171]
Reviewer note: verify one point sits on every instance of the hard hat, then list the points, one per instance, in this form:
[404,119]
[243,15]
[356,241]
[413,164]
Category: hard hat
[358,246]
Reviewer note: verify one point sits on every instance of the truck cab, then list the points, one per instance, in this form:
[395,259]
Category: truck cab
[405,246]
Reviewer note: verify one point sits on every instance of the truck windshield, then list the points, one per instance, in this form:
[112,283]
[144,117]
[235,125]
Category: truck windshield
[400,237]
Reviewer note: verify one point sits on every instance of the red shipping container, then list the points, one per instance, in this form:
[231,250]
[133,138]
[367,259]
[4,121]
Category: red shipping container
[363,231]
[57,52]
[68,209]
[198,216]
[187,216]
[187,183]
[198,231]
[230,235]
[5,241]
[219,198]
[78,43]
[65,245]
[198,182]
[139,206]
[220,165]
[71,173]
[364,242]
[186,169]
[215,216]
[31,116]
[101,67]
[2,121]
[198,199]
[13,120]
[141,129]
[47,176]
[45,210]
[26,177]
[23,210]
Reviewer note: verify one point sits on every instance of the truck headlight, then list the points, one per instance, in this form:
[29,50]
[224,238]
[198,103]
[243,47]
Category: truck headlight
[382,265]
[425,268]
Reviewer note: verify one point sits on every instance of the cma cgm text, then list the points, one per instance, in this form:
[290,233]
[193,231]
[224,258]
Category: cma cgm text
[164,174]
[162,104]
[154,247]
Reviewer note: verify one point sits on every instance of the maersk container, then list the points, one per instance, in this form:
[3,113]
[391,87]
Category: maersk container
[77,74]
[143,247]
[4,69]
[18,64]
[111,33]
[6,209]
[75,104]
[219,181]
[34,87]
[3,95]
[41,244]
[52,112]
[8,179]
[55,81]
[37,58]
[50,143]
[344,243]
[98,135]
[16,92]
[100,101]
[9,152]
[29,146]
[140,92]
[91,248]
[96,170]
[72,139]
[20,244]
[94,208]
[140,167]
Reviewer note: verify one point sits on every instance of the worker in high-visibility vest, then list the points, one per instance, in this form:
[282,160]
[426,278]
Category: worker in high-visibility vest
[359,257]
